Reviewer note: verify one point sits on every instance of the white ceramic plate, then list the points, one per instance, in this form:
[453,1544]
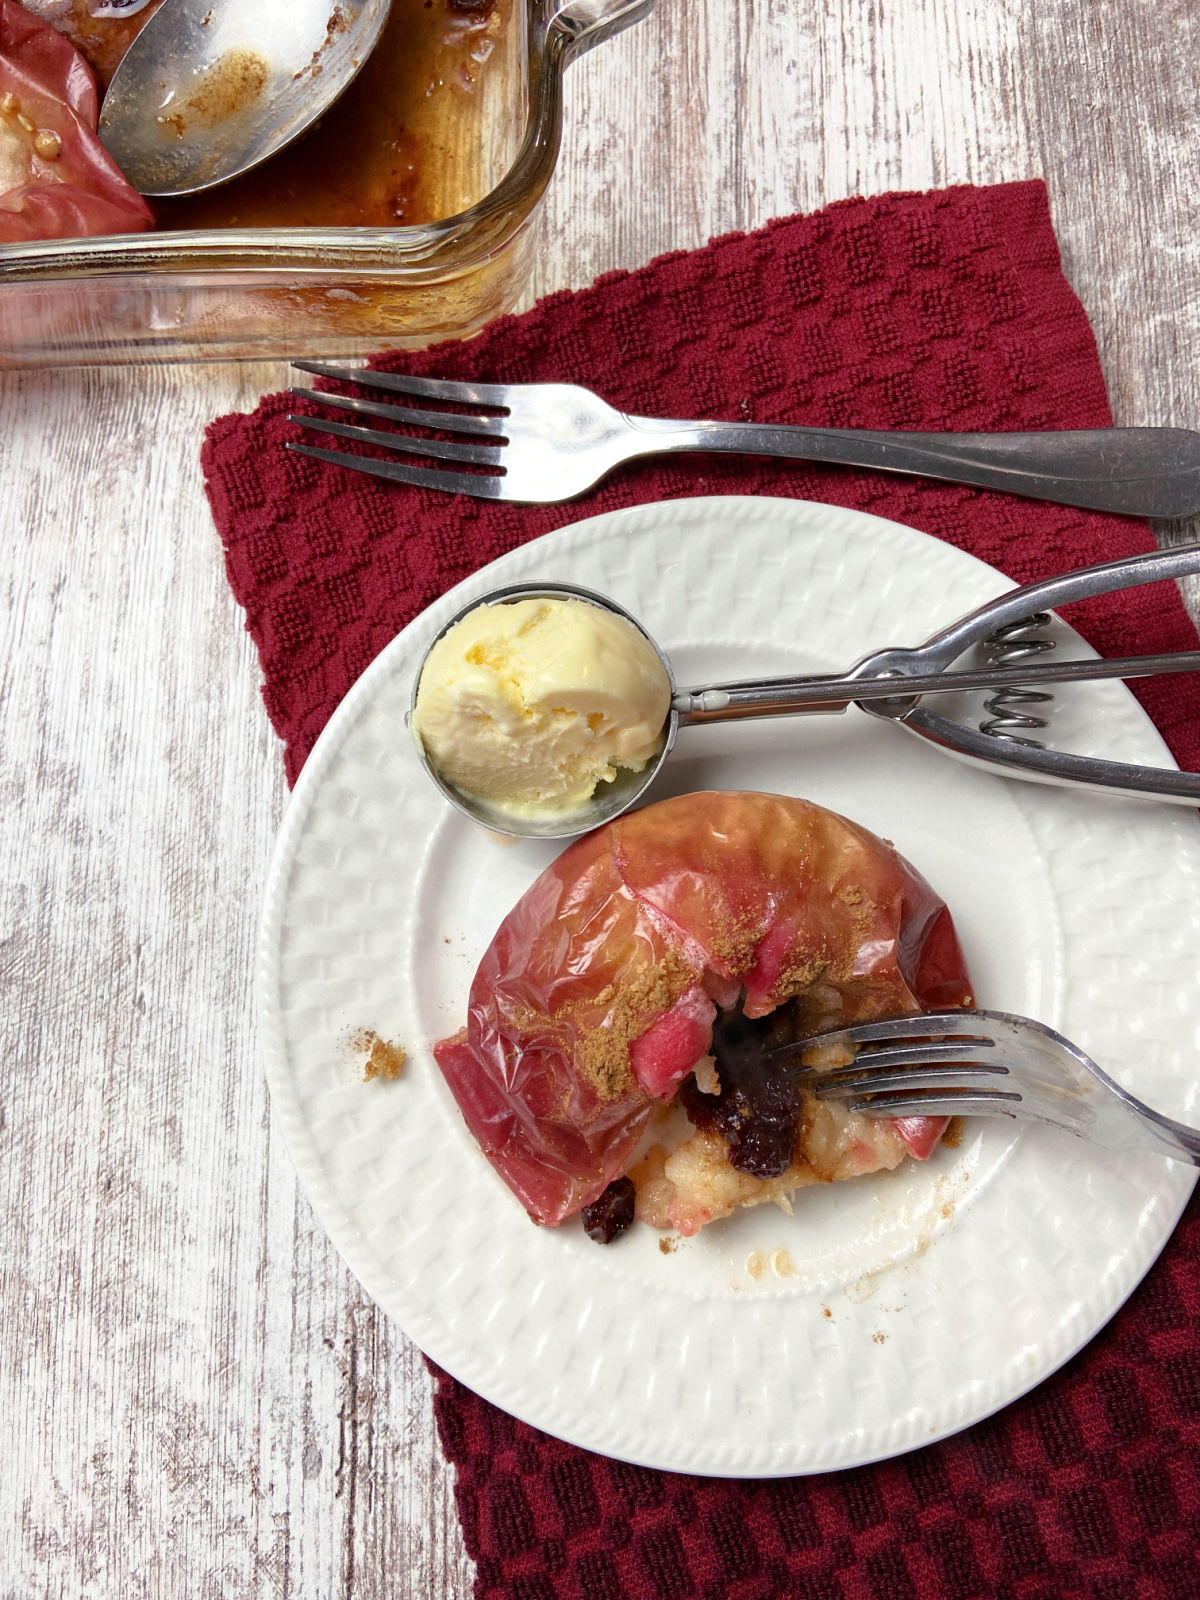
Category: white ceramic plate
[885,1313]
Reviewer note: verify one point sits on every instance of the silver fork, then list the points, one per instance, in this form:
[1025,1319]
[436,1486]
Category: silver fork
[967,1063]
[556,440]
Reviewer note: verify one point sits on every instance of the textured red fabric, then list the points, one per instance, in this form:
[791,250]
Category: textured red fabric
[946,310]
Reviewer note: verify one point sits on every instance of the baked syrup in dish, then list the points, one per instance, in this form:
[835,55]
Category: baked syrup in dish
[383,156]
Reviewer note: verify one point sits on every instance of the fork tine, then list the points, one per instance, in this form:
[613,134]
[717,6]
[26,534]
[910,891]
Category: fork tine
[936,1103]
[441,449]
[466,394]
[922,1025]
[447,421]
[891,1055]
[869,1078]
[482,488]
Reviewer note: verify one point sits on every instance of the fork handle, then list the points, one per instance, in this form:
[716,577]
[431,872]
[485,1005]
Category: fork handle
[1145,472]
[1167,1137]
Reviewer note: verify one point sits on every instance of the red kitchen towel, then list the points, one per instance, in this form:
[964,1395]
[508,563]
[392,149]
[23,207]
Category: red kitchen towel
[939,311]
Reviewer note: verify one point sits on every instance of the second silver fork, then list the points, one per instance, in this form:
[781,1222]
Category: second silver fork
[972,1063]
[538,443]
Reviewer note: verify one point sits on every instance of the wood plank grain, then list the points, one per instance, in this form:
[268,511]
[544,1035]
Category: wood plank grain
[198,1398]
[195,1397]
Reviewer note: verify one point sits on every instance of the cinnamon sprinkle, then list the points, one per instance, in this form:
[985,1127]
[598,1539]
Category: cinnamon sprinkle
[602,1054]
[737,943]
[601,1049]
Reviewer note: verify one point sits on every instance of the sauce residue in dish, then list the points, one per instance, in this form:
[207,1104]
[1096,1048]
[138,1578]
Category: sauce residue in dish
[381,157]
[101,40]
[232,86]
[386,155]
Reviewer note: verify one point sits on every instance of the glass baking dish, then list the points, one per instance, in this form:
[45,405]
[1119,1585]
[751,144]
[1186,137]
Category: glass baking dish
[223,294]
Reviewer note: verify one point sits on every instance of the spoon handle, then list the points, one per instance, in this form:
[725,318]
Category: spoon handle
[816,694]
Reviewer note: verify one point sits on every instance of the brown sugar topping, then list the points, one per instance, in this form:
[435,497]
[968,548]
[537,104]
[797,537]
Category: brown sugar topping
[384,1059]
[737,944]
[602,1054]
[813,965]
[810,967]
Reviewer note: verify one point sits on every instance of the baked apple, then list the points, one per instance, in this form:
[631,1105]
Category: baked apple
[661,958]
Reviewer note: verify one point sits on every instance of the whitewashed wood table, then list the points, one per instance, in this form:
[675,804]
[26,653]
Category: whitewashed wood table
[195,1397]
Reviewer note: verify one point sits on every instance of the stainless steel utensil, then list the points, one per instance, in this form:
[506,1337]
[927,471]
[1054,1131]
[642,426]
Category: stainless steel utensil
[206,91]
[990,1063]
[889,684]
[202,294]
[1016,713]
[556,440]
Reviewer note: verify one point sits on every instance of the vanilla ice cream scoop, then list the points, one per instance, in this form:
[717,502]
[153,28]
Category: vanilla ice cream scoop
[528,705]
[537,694]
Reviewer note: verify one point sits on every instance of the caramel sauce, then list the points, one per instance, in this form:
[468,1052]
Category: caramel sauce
[230,86]
[101,40]
[378,158]
[384,156]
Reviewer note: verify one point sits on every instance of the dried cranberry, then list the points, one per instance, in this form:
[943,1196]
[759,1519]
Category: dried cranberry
[758,1107]
[611,1214]
[763,1149]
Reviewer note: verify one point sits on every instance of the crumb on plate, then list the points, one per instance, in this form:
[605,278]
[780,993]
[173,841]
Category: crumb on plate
[384,1059]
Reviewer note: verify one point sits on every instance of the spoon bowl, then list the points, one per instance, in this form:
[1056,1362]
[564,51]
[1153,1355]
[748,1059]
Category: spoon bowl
[206,91]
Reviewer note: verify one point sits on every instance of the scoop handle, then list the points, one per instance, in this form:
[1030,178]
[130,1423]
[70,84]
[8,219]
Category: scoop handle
[1057,767]
[814,695]
[1131,572]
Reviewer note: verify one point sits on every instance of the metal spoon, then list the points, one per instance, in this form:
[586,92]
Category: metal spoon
[889,683]
[209,88]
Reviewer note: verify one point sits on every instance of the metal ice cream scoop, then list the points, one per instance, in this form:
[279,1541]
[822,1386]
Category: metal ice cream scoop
[890,684]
